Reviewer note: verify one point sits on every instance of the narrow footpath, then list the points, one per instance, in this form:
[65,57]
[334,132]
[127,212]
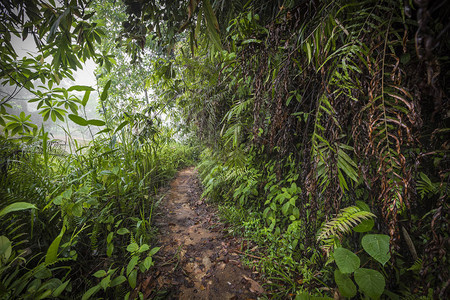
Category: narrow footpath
[196,259]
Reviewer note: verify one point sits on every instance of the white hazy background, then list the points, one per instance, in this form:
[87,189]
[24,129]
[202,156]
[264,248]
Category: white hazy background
[86,76]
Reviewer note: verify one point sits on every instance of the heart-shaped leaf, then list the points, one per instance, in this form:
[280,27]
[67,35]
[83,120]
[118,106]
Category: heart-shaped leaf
[377,246]
[370,282]
[346,260]
[346,286]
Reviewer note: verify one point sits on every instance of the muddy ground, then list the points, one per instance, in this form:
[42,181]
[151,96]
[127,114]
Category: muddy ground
[196,260]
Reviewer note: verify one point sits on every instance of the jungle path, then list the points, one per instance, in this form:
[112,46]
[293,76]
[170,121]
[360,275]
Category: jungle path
[196,259]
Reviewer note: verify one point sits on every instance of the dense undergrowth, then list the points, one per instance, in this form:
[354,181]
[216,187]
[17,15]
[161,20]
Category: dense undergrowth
[326,143]
[264,211]
[324,128]
[76,216]
[90,222]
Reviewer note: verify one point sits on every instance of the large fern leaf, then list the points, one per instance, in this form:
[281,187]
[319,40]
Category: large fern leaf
[343,222]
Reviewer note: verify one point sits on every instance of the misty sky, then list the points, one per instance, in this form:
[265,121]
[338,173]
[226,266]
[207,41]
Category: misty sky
[82,77]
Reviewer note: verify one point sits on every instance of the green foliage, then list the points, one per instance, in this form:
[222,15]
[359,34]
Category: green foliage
[83,203]
[80,208]
[370,282]
[342,224]
[377,245]
[112,278]
[346,260]
[16,207]
[346,286]
[307,109]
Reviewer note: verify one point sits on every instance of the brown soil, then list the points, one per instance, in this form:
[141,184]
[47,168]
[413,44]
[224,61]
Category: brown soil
[196,259]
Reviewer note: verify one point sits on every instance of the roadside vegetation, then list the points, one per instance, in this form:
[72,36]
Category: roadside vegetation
[319,129]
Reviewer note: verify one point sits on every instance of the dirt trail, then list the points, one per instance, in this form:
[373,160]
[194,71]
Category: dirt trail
[196,259]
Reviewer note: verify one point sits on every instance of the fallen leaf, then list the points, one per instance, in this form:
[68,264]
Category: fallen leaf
[254,286]
[222,266]
[146,282]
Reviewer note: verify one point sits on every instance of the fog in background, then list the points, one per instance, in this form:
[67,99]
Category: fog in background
[20,103]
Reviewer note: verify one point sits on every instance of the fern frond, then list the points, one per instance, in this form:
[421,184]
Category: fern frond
[343,223]
[425,186]
[94,236]
[417,266]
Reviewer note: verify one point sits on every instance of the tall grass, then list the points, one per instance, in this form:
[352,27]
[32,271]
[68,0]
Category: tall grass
[90,205]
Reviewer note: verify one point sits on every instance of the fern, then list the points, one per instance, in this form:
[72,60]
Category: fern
[343,222]
[94,236]
[417,266]
[425,186]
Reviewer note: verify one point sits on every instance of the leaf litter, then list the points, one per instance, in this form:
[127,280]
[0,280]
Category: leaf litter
[197,260]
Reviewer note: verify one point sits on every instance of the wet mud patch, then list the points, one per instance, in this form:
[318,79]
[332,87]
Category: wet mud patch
[196,260]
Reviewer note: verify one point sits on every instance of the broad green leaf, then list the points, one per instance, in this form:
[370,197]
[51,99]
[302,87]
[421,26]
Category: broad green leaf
[110,237]
[60,289]
[104,94]
[43,272]
[96,122]
[51,284]
[285,208]
[364,226]
[308,51]
[346,286]
[153,251]
[77,209]
[105,131]
[67,194]
[122,231]
[100,273]
[52,252]
[16,207]
[132,247]
[109,249]
[34,286]
[91,292]
[346,260]
[132,264]
[86,96]
[58,200]
[80,88]
[143,248]
[118,280]
[105,282]
[370,282]
[248,41]
[44,295]
[122,125]
[132,279]
[377,246]
[148,262]
[78,120]
[296,212]
[5,247]
[362,205]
